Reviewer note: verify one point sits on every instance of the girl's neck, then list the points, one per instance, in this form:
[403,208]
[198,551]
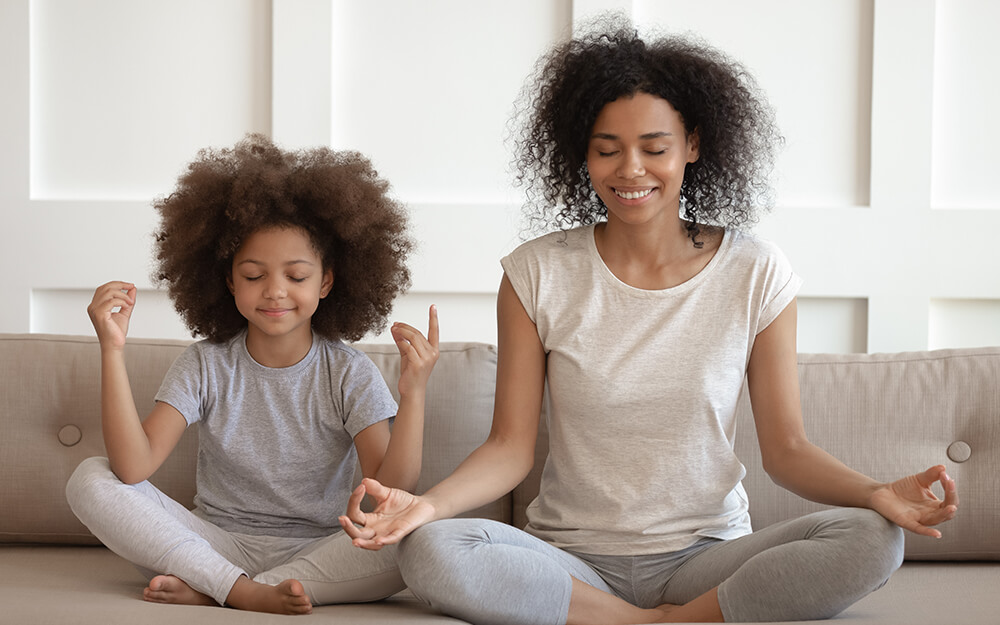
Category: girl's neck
[278,352]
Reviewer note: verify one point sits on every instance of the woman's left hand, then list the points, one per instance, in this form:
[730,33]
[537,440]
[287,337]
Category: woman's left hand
[418,354]
[910,503]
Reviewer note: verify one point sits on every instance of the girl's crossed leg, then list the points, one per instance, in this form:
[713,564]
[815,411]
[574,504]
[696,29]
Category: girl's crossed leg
[193,561]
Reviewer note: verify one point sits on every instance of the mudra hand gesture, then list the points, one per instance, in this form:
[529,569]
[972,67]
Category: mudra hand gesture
[910,503]
[396,514]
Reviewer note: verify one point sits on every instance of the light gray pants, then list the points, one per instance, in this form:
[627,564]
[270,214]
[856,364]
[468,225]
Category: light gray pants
[808,568]
[158,535]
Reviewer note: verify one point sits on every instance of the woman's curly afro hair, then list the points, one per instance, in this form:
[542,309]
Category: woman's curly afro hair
[714,95]
[336,198]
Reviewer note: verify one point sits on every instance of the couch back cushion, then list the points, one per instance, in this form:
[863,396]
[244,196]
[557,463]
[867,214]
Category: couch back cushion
[887,416]
[891,415]
[50,422]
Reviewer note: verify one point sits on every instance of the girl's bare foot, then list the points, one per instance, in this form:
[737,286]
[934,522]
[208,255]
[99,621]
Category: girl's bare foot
[170,589]
[288,597]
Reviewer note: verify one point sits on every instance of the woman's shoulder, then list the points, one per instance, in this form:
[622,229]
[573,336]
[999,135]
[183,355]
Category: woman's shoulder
[749,246]
[560,241]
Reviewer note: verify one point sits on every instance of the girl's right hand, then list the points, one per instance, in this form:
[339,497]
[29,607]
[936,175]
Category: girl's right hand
[396,514]
[112,325]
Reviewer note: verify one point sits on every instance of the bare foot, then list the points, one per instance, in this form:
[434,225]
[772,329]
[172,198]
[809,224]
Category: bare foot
[170,589]
[288,597]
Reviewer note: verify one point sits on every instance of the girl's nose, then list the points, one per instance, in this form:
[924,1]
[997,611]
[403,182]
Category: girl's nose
[274,289]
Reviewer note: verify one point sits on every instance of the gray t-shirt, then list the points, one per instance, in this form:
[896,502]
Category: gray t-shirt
[643,389]
[276,446]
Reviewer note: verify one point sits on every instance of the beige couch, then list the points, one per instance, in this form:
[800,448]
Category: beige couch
[886,415]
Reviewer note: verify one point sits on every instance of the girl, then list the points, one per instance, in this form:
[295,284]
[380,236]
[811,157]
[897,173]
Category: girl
[274,257]
[643,316]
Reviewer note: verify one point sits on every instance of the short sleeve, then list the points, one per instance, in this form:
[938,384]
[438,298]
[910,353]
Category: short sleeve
[515,267]
[781,285]
[183,386]
[366,398]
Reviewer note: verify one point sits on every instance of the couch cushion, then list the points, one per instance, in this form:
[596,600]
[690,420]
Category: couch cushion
[459,410]
[50,422]
[50,418]
[890,415]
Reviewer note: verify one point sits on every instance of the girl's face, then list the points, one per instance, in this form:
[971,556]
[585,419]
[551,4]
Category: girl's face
[636,157]
[277,281]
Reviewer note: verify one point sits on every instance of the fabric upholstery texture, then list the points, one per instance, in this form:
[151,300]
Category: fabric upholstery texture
[884,414]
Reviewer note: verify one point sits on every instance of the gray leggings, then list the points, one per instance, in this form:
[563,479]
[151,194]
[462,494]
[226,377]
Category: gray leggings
[158,535]
[808,568]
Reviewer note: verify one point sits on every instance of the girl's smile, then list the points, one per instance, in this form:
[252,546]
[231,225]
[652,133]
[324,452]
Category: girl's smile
[277,282]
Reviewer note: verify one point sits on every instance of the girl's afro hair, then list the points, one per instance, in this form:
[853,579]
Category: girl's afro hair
[336,198]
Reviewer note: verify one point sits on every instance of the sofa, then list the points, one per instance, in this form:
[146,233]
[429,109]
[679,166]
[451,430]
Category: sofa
[884,414]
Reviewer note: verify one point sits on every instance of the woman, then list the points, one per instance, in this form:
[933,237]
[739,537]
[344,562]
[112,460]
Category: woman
[644,324]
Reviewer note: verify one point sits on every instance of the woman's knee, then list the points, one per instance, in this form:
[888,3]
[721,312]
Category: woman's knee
[880,538]
[431,556]
[436,541]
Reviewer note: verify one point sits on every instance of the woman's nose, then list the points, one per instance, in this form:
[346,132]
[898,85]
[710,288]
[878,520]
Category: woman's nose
[631,165]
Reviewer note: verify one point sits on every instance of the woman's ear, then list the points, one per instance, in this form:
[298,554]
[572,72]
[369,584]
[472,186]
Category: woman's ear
[694,145]
[327,284]
[229,283]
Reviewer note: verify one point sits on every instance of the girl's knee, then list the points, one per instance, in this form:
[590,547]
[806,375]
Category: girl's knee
[81,482]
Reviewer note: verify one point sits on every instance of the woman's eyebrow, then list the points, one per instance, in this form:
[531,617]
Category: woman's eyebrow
[649,135]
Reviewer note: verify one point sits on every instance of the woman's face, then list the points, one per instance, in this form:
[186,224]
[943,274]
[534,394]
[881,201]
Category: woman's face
[636,156]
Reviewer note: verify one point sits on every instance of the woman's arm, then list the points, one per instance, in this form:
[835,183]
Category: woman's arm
[395,460]
[136,449]
[803,468]
[496,466]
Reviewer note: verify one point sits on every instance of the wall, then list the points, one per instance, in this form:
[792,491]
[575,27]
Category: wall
[887,204]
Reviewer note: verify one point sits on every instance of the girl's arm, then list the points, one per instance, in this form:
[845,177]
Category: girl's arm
[395,460]
[803,468]
[135,449]
[495,467]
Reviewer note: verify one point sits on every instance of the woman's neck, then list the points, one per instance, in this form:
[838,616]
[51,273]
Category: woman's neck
[654,258]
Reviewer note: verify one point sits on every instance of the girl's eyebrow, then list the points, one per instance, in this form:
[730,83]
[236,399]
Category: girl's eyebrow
[644,137]
[262,263]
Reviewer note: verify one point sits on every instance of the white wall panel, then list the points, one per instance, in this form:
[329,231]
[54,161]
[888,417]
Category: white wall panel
[105,101]
[966,98]
[64,311]
[426,88]
[123,93]
[813,60]
[833,325]
[964,323]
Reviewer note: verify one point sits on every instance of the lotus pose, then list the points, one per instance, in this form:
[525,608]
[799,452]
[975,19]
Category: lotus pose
[274,257]
[644,313]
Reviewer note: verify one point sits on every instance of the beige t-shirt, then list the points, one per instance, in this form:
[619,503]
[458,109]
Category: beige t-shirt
[643,388]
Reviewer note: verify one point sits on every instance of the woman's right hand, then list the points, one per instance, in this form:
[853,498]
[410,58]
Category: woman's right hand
[396,514]
[112,325]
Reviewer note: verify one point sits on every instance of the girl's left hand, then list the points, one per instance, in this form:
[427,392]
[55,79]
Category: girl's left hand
[418,354]
[910,503]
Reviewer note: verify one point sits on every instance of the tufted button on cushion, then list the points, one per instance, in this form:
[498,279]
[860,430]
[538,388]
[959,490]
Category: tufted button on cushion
[959,451]
[70,435]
